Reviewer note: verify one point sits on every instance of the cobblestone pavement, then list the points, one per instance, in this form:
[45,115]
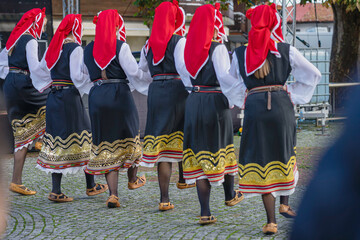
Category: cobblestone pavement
[35,217]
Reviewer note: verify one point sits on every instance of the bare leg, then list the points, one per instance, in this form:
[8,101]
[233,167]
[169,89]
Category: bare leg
[269,204]
[203,190]
[112,179]
[164,174]
[19,160]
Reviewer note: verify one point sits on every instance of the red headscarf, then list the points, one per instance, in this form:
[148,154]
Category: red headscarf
[32,21]
[70,24]
[169,19]
[265,32]
[105,36]
[206,19]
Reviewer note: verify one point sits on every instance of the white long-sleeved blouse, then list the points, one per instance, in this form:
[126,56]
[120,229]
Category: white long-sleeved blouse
[178,58]
[33,63]
[78,73]
[4,64]
[229,84]
[307,76]
[138,78]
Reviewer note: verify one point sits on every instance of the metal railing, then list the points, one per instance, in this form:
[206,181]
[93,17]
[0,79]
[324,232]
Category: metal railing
[320,57]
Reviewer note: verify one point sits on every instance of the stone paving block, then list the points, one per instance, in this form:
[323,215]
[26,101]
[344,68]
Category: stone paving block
[35,217]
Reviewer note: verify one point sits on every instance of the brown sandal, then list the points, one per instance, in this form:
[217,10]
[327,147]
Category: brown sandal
[286,211]
[21,189]
[207,220]
[99,188]
[185,185]
[38,145]
[270,228]
[59,198]
[113,202]
[236,199]
[140,181]
[166,206]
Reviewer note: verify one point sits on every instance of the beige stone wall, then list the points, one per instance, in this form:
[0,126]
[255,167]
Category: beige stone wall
[136,43]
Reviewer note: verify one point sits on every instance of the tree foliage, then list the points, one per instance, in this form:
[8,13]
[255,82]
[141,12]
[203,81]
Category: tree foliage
[351,5]
[146,8]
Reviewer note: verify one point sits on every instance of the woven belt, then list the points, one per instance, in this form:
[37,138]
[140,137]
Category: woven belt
[165,77]
[268,89]
[16,70]
[208,89]
[55,88]
[101,81]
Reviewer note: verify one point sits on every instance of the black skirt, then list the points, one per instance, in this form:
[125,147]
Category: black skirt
[67,141]
[267,161]
[26,109]
[208,138]
[163,139]
[115,129]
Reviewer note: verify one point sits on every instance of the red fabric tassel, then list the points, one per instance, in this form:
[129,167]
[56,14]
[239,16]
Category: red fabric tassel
[70,24]
[105,36]
[169,19]
[265,32]
[32,21]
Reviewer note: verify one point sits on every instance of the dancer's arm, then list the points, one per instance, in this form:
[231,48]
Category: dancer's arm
[137,77]
[180,62]
[78,72]
[39,74]
[233,88]
[4,64]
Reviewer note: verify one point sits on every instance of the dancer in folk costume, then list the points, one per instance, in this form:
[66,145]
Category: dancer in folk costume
[164,58]
[209,157]
[267,163]
[19,62]
[67,139]
[113,114]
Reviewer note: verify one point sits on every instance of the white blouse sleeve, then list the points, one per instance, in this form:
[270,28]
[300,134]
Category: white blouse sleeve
[231,86]
[39,74]
[180,62]
[143,64]
[78,73]
[235,72]
[306,75]
[137,78]
[4,64]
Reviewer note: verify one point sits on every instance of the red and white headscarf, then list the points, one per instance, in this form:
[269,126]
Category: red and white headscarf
[105,36]
[70,24]
[32,21]
[169,19]
[206,19]
[263,37]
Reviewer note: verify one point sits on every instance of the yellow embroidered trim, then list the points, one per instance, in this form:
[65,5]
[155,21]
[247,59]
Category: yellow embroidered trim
[210,163]
[119,153]
[172,142]
[57,142]
[29,126]
[75,148]
[274,172]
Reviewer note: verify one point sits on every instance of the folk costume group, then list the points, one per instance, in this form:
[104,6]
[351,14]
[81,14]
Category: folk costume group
[191,86]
